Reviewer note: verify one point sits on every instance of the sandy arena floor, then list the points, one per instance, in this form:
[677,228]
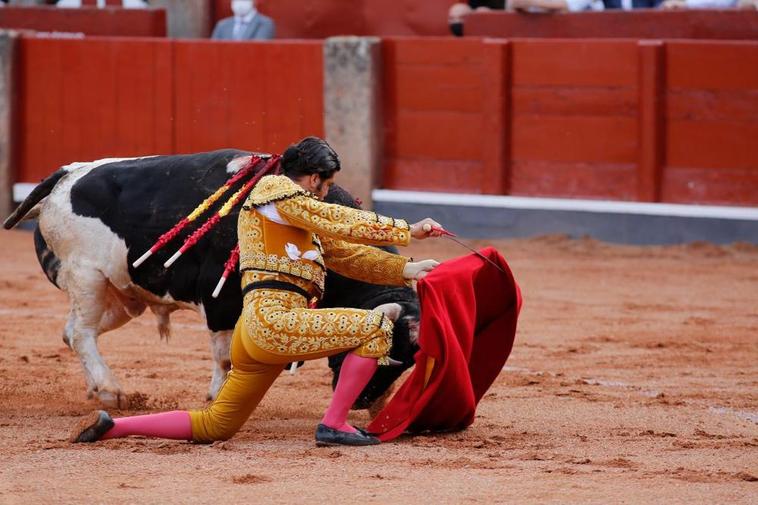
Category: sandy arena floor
[634,379]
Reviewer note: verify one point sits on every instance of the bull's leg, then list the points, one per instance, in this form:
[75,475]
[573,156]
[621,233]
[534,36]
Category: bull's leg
[114,316]
[68,337]
[68,330]
[90,308]
[220,343]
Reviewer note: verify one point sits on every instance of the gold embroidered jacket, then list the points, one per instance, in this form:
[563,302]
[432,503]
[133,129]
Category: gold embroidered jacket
[285,229]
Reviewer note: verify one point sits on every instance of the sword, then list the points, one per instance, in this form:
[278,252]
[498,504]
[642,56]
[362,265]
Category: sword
[452,236]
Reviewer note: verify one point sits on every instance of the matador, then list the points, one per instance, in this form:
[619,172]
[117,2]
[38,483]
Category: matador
[288,237]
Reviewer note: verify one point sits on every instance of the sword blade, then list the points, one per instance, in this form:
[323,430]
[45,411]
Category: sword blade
[485,258]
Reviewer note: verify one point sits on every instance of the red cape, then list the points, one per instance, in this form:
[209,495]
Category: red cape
[469,311]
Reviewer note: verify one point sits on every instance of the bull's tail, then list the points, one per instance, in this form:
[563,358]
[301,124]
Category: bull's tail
[47,259]
[41,191]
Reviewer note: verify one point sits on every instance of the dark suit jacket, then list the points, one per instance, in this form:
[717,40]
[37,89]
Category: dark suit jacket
[260,28]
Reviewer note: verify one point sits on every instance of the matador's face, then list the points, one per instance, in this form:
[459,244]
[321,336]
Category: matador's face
[316,185]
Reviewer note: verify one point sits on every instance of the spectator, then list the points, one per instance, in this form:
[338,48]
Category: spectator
[485,5]
[126,4]
[246,24]
[581,5]
[709,4]
[460,10]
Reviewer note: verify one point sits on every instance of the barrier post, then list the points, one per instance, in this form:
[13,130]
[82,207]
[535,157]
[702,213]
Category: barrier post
[651,117]
[8,49]
[496,139]
[352,110]
[186,19]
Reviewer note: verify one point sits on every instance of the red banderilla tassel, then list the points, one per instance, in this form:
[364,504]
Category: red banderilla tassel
[178,227]
[225,209]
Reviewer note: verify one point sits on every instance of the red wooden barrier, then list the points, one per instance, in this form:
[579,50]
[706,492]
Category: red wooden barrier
[434,93]
[327,18]
[103,97]
[637,24]
[711,128]
[87,20]
[574,119]
[651,121]
[253,95]
[621,120]
[88,99]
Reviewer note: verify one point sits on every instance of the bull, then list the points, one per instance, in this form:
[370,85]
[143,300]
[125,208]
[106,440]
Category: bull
[96,218]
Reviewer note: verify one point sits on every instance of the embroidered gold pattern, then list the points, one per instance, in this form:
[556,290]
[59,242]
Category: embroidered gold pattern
[253,257]
[334,221]
[271,188]
[365,263]
[279,322]
[273,263]
[342,222]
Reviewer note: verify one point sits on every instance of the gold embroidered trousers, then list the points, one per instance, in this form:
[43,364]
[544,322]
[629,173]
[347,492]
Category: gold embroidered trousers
[276,327]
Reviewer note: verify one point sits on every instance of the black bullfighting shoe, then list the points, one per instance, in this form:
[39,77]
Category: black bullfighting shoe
[92,427]
[329,436]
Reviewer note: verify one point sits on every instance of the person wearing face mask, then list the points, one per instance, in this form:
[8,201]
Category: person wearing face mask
[246,24]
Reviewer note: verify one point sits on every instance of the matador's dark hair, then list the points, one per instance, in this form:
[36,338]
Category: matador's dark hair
[311,155]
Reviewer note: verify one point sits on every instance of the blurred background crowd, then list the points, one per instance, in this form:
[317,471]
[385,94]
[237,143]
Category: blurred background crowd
[247,23]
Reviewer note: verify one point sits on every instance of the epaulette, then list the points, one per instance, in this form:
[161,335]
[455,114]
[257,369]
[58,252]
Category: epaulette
[272,188]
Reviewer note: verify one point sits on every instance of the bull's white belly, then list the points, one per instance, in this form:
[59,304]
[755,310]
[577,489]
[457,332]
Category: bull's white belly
[85,244]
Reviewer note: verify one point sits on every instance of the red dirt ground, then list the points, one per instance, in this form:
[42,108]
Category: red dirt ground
[634,379]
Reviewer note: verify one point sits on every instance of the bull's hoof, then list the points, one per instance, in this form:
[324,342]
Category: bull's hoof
[113,400]
[326,436]
[91,428]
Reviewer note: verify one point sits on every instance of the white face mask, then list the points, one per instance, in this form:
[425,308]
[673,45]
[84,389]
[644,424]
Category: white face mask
[242,8]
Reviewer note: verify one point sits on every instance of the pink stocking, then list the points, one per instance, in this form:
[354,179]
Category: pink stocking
[355,373]
[175,425]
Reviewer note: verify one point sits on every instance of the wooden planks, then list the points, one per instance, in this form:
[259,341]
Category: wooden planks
[445,114]
[668,121]
[711,123]
[116,97]
[612,119]
[260,96]
[574,118]
[90,99]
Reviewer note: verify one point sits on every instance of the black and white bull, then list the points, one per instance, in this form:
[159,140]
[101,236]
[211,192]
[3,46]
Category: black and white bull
[96,218]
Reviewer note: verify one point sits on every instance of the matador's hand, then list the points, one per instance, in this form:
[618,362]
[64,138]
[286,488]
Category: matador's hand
[419,269]
[425,228]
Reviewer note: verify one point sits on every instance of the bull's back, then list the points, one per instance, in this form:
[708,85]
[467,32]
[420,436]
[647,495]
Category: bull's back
[140,199]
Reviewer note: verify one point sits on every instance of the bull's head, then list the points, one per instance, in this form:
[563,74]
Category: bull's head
[343,292]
